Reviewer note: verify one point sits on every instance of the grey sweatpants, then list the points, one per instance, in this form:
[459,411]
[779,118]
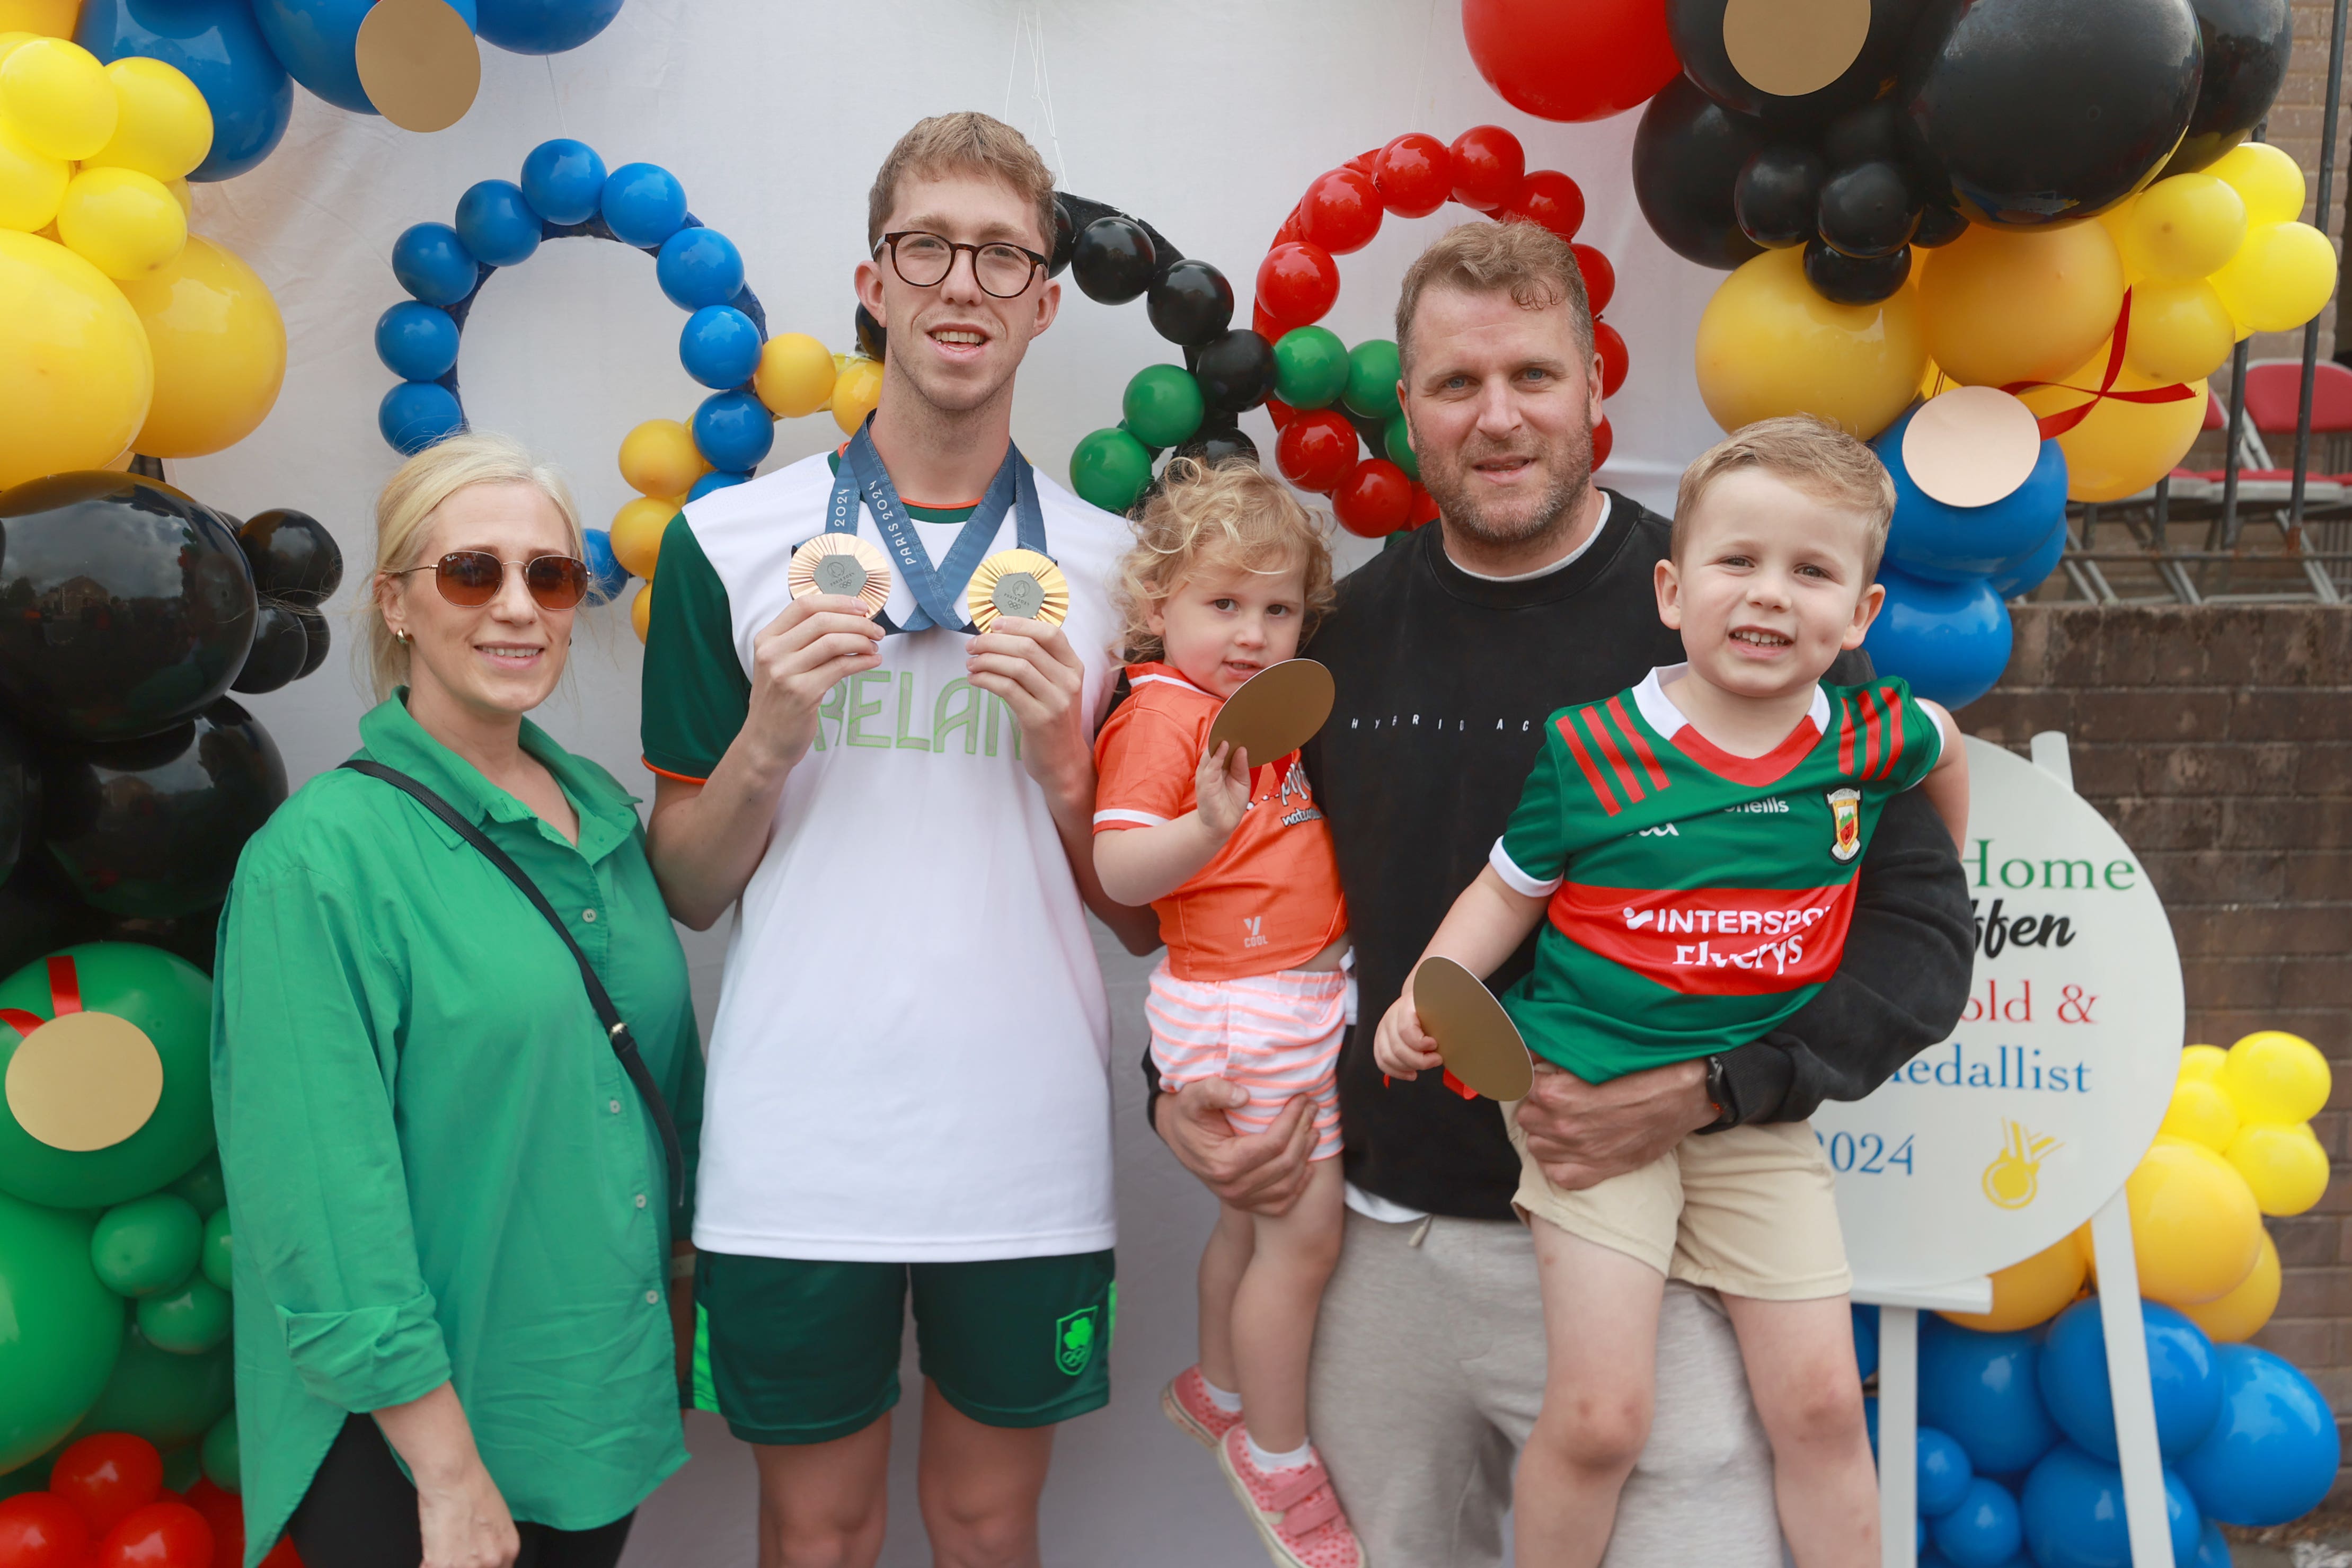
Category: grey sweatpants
[1428,1373]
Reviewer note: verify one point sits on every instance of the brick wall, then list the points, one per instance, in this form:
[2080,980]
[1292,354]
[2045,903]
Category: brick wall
[2298,122]
[2218,742]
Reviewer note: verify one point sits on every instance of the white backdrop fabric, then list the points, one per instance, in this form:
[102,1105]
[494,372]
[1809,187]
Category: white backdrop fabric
[1207,119]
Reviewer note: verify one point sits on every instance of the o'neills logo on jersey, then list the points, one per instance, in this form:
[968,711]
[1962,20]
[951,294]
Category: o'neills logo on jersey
[1845,807]
[1715,941]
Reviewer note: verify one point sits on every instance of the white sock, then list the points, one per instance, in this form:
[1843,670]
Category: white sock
[1230,1403]
[1269,1462]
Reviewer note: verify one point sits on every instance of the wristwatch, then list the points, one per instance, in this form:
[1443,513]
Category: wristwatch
[1719,1094]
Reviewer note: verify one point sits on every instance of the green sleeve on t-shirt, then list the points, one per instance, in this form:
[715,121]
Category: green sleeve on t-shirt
[696,694]
[1538,837]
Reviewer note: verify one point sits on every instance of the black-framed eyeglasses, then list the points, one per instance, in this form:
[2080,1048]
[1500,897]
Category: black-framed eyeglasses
[470,578]
[924,259]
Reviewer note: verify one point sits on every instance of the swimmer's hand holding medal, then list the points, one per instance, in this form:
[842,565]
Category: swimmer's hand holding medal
[1018,583]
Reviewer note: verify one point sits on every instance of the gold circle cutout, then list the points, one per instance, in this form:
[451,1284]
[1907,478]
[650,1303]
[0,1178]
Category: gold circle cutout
[85,1081]
[1791,48]
[419,63]
[1972,446]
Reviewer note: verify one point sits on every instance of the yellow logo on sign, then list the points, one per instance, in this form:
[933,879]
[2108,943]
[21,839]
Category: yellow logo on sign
[2014,1177]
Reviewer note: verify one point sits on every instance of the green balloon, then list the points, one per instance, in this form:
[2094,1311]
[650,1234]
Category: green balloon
[1163,406]
[216,1254]
[1372,371]
[1310,366]
[146,1245]
[1398,443]
[188,1321]
[168,1399]
[182,1468]
[203,1185]
[170,1001]
[60,1328]
[220,1453]
[1110,469]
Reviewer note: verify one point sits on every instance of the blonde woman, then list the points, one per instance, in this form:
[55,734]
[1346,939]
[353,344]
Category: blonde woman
[451,1189]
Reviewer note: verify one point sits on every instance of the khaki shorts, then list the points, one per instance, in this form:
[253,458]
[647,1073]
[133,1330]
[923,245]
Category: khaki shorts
[1747,1211]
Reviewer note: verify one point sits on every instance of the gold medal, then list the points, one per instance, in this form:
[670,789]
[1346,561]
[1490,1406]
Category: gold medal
[1019,583]
[843,564]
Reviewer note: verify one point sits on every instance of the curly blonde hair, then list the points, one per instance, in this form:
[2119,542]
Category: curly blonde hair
[1226,514]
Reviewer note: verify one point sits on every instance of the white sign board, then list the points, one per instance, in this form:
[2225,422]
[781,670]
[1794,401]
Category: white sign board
[1986,1149]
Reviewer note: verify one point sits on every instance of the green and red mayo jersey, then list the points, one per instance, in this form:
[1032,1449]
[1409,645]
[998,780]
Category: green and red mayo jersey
[1696,898]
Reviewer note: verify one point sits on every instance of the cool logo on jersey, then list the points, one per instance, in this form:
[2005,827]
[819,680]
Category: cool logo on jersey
[1846,810]
[1254,931]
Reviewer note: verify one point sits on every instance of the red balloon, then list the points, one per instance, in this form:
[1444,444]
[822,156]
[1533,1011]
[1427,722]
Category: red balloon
[1296,283]
[41,1531]
[160,1535]
[1610,344]
[226,1513]
[106,1476]
[1488,163]
[1291,228]
[1424,507]
[1550,198]
[1604,440]
[1585,61]
[1414,174]
[1316,450]
[1599,278]
[1374,500]
[1281,413]
[1342,212]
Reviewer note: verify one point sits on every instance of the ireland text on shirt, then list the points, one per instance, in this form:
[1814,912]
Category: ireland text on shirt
[859,706]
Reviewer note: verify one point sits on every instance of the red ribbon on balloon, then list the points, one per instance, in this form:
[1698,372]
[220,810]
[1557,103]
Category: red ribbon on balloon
[2057,425]
[65,996]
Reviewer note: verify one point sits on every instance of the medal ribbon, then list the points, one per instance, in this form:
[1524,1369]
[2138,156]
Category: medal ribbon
[2064,420]
[937,591]
[65,996]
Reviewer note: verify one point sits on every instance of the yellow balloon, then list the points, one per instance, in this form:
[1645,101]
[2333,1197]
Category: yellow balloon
[220,349]
[2268,180]
[2285,1165]
[855,392]
[2181,330]
[32,182]
[122,222]
[2184,227]
[59,98]
[2196,1230]
[641,611]
[11,40]
[2275,1076]
[1768,345]
[2120,449]
[2202,1061]
[2030,1292]
[184,196]
[2020,305]
[2280,278]
[796,375]
[76,374]
[2238,1316]
[163,128]
[45,18]
[2202,1113]
[637,529]
[659,458]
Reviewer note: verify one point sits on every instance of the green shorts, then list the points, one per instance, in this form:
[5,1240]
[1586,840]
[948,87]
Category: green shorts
[801,1352]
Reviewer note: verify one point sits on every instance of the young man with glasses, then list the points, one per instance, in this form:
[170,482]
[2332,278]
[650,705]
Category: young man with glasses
[909,1068]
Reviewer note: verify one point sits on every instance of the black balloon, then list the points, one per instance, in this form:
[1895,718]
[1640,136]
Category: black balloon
[1777,197]
[1853,279]
[153,827]
[1688,154]
[38,916]
[1113,260]
[1938,225]
[192,936]
[20,798]
[314,632]
[872,342]
[1065,237]
[125,606]
[1867,210]
[2246,46]
[292,555]
[280,647]
[1190,304]
[1235,370]
[1697,28]
[1213,444]
[2028,113]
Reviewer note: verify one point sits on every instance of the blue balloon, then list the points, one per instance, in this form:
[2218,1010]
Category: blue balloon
[497,223]
[700,267]
[416,341]
[217,45]
[2272,1452]
[1943,543]
[644,205]
[733,430]
[1980,1389]
[1944,1472]
[2180,1368]
[2212,1547]
[2023,576]
[1870,1421]
[714,481]
[607,575]
[314,40]
[1949,640]
[1983,1532]
[718,346]
[431,262]
[545,26]
[1866,1338]
[564,180]
[415,415]
[2074,1511]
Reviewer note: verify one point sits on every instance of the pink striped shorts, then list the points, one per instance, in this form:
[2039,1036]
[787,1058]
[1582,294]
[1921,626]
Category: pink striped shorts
[1277,1036]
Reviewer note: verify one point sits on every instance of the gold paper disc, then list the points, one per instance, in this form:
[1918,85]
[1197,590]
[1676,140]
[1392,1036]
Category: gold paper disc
[1275,711]
[1480,1045]
[1791,48]
[843,564]
[1019,583]
[418,63]
[84,1081]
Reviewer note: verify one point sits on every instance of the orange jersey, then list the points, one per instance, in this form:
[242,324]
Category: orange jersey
[1270,899]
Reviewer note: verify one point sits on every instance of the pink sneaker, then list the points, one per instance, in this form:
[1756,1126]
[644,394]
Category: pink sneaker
[1295,1511]
[1186,1401]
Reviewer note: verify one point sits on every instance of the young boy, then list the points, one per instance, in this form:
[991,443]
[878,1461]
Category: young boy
[1693,842]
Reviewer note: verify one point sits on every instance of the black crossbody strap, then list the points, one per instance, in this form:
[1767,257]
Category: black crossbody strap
[617,1030]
